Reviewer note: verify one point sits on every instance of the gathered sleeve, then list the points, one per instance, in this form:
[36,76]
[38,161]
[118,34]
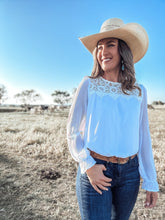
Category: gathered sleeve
[76,126]
[145,154]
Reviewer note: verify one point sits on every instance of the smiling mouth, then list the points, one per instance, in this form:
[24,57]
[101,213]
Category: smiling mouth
[106,60]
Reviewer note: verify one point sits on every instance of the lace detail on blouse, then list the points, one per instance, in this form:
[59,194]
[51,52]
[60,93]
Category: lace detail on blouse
[103,87]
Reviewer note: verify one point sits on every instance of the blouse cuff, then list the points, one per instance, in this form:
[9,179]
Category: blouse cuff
[151,186]
[86,161]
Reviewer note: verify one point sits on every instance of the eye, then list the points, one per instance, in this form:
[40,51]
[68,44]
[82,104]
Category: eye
[111,45]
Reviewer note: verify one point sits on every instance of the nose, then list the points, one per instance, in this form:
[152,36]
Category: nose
[104,50]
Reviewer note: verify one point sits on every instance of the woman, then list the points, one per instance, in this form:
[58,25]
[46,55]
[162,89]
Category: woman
[108,129]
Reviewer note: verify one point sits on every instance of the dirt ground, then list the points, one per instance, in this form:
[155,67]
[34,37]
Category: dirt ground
[37,173]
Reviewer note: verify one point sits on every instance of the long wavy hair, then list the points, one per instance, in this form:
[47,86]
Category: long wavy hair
[126,76]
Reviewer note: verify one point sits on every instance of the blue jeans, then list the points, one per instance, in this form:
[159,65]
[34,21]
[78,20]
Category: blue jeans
[115,204]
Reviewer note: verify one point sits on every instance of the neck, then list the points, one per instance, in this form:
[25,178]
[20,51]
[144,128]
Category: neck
[111,76]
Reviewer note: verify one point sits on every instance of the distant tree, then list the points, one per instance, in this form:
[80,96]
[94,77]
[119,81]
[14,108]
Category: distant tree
[158,103]
[61,97]
[155,103]
[150,106]
[3,94]
[27,97]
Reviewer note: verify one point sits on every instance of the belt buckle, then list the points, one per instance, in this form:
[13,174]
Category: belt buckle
[118,160]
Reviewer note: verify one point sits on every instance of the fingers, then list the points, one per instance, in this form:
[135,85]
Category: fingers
[153,203]
[106,179]
[147,202]
[97,189]
[105,184]
[103,168]
[154,197]
[151,199]
[102,187]
[97,178]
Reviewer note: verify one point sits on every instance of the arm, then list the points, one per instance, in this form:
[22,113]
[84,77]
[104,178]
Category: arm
[76,126]
[146,160]
[75,133]
[145,154]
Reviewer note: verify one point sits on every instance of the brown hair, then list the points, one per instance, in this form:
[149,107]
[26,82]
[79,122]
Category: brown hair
[127,76]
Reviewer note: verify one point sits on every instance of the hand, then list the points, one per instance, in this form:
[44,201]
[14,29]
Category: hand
[97,178]
[151,198]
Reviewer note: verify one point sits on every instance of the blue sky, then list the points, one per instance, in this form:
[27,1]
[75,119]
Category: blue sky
[40,49]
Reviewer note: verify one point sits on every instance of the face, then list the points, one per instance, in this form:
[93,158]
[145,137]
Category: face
[108,55]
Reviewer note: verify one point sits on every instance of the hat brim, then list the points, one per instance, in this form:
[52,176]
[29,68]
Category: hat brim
[133,34]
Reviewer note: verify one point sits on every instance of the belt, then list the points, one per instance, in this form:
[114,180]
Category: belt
[113,159]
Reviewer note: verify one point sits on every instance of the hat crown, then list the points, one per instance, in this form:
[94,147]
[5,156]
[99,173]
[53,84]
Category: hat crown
[111,24]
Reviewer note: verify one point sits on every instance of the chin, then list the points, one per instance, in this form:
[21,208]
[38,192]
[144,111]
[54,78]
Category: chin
[107,69]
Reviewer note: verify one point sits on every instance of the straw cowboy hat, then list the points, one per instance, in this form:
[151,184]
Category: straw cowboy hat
[132,33]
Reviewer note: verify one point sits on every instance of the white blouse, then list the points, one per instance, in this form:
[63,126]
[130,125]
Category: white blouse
[105,120]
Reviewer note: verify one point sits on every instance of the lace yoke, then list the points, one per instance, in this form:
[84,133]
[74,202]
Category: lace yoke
[103,87]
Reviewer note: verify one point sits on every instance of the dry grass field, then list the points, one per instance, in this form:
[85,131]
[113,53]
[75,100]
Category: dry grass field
[37,173]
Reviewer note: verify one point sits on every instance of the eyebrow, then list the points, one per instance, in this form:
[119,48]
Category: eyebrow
[110,41]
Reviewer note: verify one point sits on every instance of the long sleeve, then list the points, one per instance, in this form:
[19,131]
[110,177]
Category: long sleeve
[76,126]
[145,154]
